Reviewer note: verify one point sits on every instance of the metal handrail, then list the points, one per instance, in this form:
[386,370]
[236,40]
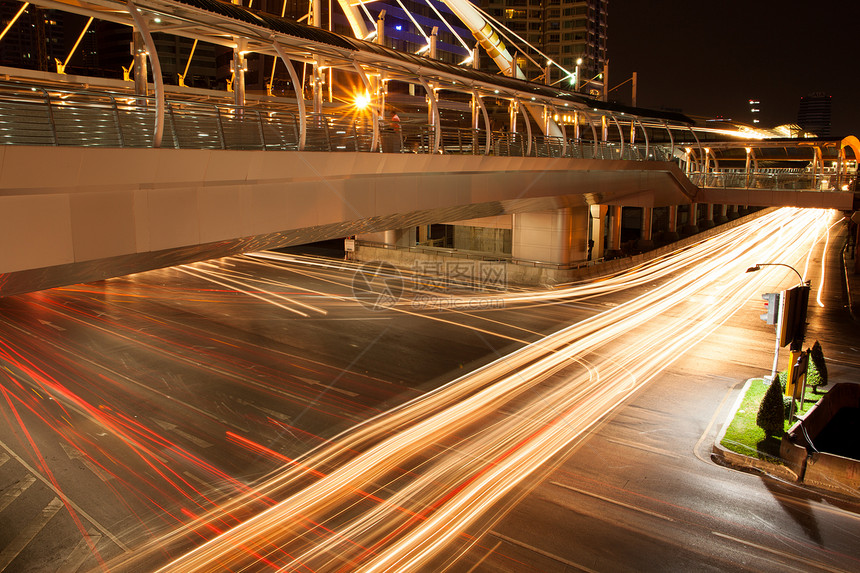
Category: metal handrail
[38,115]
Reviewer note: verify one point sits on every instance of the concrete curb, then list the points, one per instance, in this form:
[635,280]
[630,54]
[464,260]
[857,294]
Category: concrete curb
[747,463]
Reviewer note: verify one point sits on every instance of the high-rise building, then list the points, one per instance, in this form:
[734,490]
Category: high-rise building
[35,40]
[813,114]
[564,30]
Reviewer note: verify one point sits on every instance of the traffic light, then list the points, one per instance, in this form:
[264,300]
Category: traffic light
[793,328]
[771,305]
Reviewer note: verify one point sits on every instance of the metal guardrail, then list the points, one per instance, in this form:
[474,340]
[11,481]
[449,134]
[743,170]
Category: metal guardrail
[37,115]
[796,180]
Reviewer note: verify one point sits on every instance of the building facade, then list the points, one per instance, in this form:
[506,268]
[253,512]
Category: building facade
[813,114]
[564,30]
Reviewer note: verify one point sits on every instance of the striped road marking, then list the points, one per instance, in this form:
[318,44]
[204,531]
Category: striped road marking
[26,535]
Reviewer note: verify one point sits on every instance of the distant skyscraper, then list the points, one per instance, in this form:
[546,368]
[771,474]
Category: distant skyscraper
[755,110]
[813,114]
[564,30]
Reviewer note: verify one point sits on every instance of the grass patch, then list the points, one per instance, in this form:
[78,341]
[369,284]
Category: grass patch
[744,437]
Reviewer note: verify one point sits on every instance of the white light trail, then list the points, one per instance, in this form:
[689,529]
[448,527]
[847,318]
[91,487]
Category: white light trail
[396,492]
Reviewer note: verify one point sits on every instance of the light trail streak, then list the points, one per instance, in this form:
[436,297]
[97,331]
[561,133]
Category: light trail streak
[507,419]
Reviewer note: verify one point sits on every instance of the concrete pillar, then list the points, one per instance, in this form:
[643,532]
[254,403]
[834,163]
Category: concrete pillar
[720,214]
[692,226]
[731,212]
[671,233]
[423,233]
[708,221]
[597,232]
[395,237]
[556,237]
[613,248]
[645,240]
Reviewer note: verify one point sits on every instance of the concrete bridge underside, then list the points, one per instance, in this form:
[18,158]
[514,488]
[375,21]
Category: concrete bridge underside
[78,214]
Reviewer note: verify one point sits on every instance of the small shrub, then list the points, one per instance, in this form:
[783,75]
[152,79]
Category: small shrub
[786,406]
[770,416]
[817,355]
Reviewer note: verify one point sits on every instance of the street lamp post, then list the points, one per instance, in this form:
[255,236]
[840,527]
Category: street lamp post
[758,266]
[790,328]
[576,75]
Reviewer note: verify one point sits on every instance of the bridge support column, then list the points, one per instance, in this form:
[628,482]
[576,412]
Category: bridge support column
[720,214]
[708,221]
[395,237]
[613,248]
[671,225]
[597,232]
[731,212]
[692,226]
[645,240]
[555,237]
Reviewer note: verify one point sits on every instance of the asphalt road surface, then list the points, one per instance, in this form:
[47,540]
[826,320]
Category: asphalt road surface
[144,415]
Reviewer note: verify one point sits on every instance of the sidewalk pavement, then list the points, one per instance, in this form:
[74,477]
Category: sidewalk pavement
[852,279]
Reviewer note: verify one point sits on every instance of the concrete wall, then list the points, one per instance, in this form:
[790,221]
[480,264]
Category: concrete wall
[824,470]
[484,239]
[558,237]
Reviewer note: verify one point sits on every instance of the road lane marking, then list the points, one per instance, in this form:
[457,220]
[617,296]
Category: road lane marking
[613,501]
[75,454]
[13,493]
[542,552]
[4,458]
[80,553]
[199,442]
[78,509]
[326,386]
[484,558]
[643,447]
[26,535]
[273,413]
[783,554]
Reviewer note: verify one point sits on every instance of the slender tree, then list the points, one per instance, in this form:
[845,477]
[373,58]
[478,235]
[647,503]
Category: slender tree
[770,417]
[817,355]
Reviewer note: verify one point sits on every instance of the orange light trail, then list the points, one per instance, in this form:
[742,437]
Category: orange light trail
[472,441]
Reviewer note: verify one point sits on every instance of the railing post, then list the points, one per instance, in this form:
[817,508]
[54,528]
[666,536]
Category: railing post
[141,26]
[220,128]
[117,122]
[262,131]
[51,116]
[355,135]
[324,121]
[297,130]
[169,109]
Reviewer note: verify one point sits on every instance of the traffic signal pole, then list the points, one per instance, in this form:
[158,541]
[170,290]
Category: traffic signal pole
[776,344]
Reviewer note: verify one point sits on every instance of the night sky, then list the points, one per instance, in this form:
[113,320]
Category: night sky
[709,58]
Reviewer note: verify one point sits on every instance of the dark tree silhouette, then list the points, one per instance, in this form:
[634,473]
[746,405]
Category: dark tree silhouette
[770,417]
